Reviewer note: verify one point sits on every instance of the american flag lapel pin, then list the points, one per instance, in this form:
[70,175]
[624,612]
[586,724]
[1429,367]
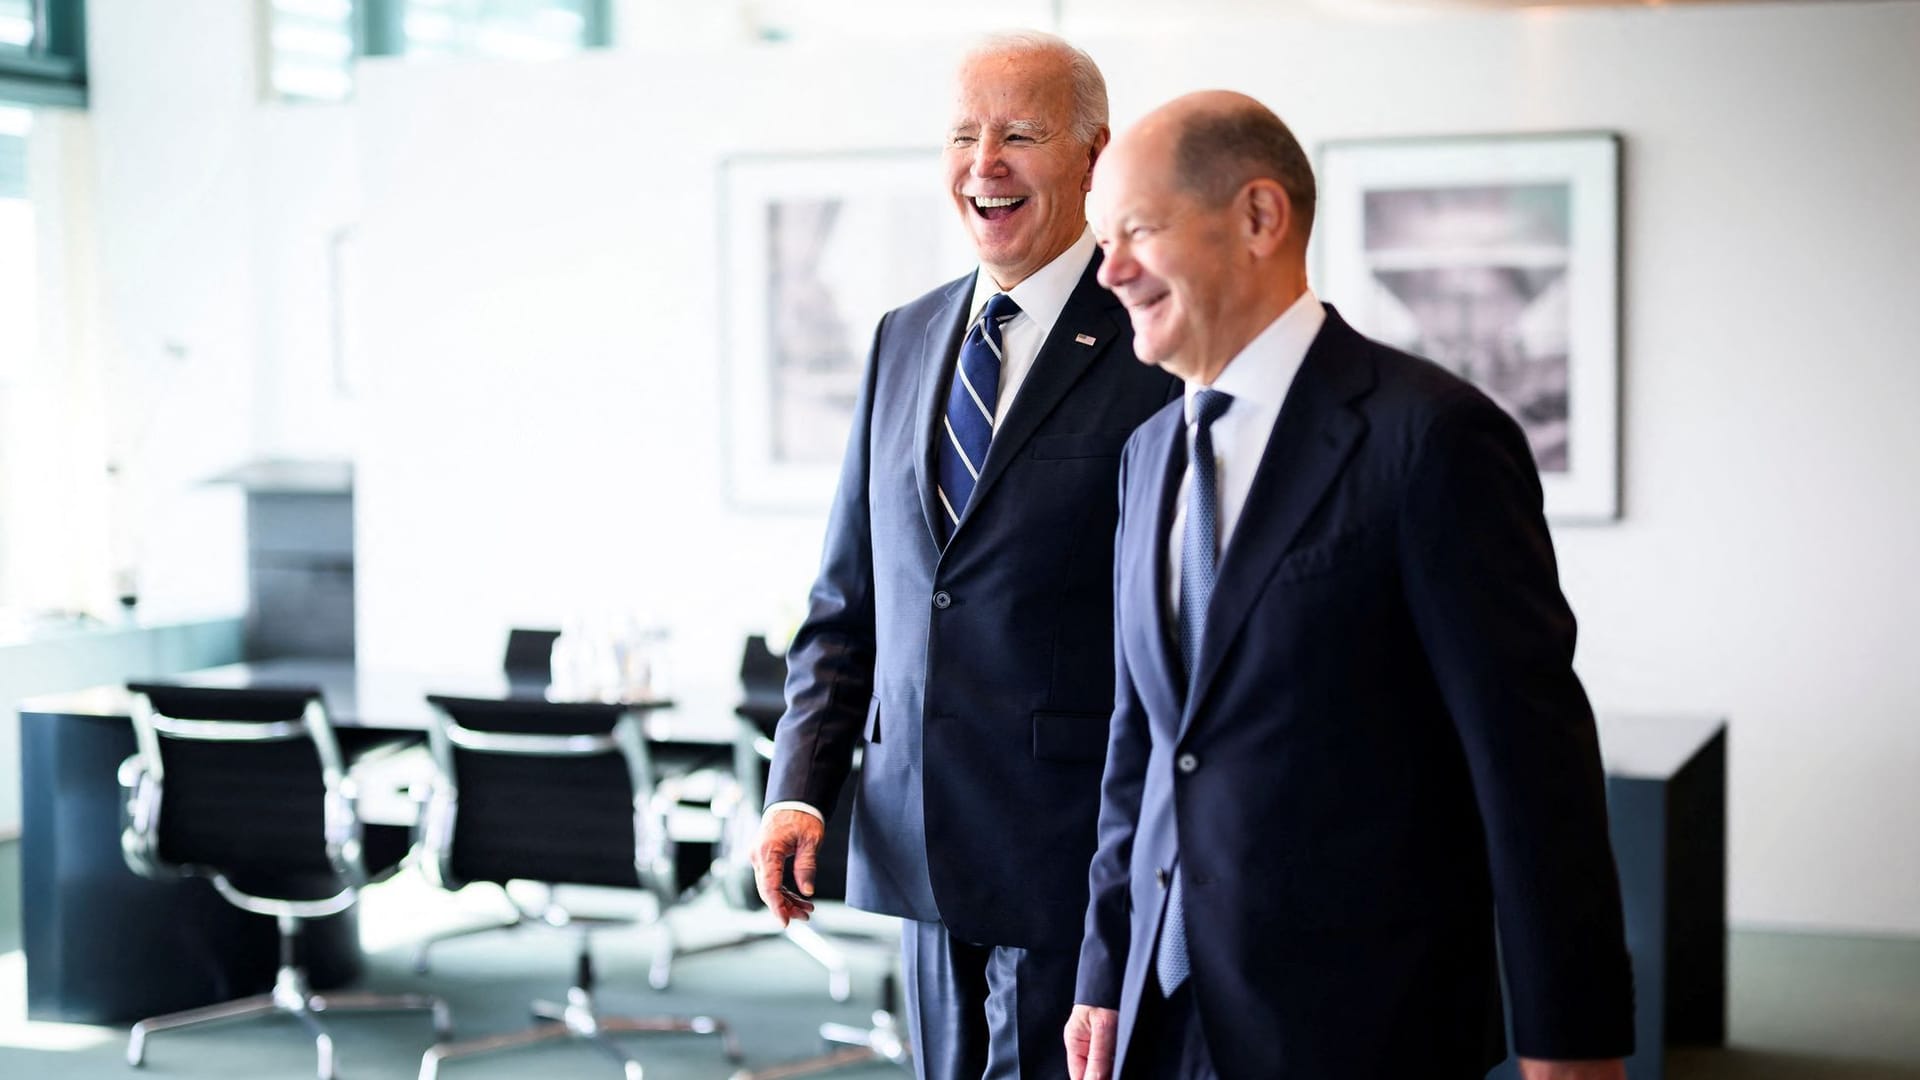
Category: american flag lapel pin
[1084,339]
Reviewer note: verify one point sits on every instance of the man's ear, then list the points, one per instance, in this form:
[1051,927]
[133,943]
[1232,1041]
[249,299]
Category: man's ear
[1099,143]
[1267,215]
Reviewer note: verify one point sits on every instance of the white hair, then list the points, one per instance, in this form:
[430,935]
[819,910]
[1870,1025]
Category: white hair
[1089,86]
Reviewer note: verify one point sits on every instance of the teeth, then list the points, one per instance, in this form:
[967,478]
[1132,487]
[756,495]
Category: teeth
[986,202]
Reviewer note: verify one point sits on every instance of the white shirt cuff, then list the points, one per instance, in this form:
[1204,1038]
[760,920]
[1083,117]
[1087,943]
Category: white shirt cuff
[791,804]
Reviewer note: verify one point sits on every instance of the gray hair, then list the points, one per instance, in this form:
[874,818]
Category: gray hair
[1219,151]
[1089,86]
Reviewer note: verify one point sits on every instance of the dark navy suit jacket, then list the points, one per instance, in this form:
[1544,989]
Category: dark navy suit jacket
[1384,746]
[980,678]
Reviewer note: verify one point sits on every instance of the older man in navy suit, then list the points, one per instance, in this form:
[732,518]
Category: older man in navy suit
[1347,738]
[960,628]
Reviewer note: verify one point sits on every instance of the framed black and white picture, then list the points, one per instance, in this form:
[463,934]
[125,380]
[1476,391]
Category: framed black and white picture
[1498,258]
[817,248]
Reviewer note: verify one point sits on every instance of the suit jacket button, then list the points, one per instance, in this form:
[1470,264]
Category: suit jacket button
[942,600]
[1160,876]
[1186,763]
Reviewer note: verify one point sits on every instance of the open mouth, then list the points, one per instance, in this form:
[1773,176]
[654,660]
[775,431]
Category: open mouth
[995,207]
[1139,307]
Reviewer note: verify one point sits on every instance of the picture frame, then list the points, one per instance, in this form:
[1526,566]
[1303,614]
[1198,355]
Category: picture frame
[1497,257]
[816,248]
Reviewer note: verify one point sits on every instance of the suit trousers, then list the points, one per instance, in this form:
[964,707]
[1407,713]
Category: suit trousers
[1167,1042]
[986,1012]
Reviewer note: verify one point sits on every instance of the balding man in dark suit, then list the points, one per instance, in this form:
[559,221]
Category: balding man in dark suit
[1348,738]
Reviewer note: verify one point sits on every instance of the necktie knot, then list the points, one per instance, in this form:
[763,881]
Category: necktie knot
[1000,307]
[1208,406]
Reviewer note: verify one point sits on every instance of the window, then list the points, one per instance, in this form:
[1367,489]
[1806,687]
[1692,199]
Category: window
[313,43]
[43,56]
[504,29]
[16,24]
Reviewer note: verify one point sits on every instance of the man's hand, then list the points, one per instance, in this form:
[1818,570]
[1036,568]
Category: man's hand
[786,833]
[1537,1069]
[1090,1034]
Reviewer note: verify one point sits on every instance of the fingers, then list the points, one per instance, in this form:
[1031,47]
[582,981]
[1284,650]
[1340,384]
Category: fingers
[1103,1024]
[805,855]
[783,836]
[1076,1038]
[1089,1036]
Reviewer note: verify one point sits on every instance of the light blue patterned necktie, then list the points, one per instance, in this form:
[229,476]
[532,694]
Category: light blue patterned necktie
[967,429]
[1199,563]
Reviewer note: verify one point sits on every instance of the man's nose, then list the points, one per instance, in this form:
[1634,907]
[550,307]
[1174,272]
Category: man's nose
[1115,267]
[987,161]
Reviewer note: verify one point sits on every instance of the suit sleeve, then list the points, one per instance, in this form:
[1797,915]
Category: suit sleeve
[1485,597]
[830,663]
[1103,951]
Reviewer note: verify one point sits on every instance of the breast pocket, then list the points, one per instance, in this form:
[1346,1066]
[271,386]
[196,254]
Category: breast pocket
[1322,558]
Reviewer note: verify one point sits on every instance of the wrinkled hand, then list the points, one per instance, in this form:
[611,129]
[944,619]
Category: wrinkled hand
[1090,1033]
[786,833]
[1607,1069]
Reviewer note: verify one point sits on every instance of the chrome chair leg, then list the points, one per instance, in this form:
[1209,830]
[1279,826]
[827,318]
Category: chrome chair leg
[577,1018]
[430,1062]
[244,1008]
[829,956]
[884,1041]
[422,962]
[291,997]
[825,952]
[362,1001]
[322,1042]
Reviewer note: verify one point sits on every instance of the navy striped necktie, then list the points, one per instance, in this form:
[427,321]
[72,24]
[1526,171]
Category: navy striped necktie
[967,429]
[1199,566]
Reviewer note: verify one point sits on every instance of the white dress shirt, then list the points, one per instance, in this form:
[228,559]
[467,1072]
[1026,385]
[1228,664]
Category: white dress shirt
[1041,298]
[1258,378]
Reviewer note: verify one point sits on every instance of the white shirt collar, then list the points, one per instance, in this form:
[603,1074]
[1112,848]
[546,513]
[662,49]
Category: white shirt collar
[1044,293]
[1260,373]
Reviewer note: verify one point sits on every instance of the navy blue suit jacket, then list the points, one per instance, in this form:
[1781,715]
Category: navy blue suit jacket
[1384,746]
[980,678]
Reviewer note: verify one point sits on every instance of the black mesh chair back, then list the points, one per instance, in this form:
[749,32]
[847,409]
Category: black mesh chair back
[557,793]
[529,656]
[244,783]
[247,787]
[763,685]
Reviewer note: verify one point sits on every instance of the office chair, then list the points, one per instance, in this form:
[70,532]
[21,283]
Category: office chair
[529,655]
[738,805]
[248,789]
[528,665]
[559,794]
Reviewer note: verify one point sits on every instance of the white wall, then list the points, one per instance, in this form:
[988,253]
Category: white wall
[213,211]
[540,341]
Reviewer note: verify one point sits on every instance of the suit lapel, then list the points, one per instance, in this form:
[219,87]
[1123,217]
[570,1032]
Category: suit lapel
[1311,442]
[1162,464]
[938,347]
[1091,313]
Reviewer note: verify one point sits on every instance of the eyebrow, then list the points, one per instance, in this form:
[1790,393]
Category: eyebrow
[1024,127]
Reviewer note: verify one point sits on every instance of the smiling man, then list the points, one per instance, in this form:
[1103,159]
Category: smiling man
[1347,736]
[960,630]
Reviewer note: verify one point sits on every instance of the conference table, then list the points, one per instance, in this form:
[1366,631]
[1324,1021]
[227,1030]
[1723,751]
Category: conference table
[104,945]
